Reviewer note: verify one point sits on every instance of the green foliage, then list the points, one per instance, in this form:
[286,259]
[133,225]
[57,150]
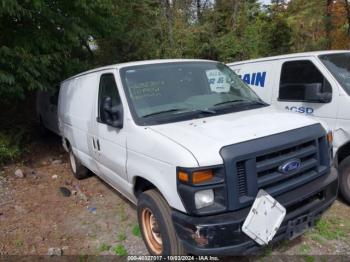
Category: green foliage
[120,250]
[104,247]
[307,18]
[304,248]
[43,41]
[11,144]
[330,229]
[136,231]
[308,258]
[121,236]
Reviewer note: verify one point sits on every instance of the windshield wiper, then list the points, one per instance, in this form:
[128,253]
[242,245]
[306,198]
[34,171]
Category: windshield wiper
[240,100]
[164,112]
[204,110]
[231,101]
[181,110]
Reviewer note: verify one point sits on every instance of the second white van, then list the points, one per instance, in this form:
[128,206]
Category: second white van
[315,84]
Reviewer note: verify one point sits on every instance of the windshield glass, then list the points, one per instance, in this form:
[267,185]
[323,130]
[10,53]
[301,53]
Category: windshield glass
[168,92]
[339,66]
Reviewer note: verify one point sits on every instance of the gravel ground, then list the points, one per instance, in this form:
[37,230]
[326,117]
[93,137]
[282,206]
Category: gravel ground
[37,216]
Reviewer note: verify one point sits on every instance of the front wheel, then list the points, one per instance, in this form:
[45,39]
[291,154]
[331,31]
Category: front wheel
[158,232]
[344,179]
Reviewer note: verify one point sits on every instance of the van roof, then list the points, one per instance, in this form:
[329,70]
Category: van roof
[293,55]
[136,63]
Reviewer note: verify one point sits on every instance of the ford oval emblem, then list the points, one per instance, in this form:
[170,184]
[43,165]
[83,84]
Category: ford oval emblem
[290,166]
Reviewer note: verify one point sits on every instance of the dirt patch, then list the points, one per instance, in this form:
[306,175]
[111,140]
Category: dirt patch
[36,215]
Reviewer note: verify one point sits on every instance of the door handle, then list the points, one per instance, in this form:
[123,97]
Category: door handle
[93,143]
[98,145]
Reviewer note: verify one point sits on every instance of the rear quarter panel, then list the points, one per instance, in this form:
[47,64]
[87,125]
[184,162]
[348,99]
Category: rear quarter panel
[75,112]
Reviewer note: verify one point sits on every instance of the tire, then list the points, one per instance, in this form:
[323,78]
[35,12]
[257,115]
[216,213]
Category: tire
[160,238]
[78,170]
[344,179]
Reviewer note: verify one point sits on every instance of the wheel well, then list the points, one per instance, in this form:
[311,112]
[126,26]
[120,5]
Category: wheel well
[67,143]
[343,152]
[141,185]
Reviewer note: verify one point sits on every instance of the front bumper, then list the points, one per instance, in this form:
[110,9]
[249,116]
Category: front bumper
[222,235]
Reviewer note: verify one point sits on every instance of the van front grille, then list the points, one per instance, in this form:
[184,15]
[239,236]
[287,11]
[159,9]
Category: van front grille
[277,163]
[242,181]
[267,166]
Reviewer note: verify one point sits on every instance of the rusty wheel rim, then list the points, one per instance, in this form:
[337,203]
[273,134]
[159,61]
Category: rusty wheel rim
[151,231]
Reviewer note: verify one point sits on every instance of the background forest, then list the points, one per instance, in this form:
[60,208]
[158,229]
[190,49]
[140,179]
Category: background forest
[43,42]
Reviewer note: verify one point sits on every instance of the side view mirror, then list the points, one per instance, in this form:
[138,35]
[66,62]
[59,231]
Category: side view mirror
[313,93]
[112,115]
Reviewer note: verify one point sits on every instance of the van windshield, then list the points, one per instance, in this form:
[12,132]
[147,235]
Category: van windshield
[339,66]
[170,92]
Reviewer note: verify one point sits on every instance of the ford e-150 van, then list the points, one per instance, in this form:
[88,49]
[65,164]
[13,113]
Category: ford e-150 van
[316,84]
[211,167]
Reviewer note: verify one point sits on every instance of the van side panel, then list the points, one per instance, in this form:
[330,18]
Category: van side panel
[76,104]
[259,76]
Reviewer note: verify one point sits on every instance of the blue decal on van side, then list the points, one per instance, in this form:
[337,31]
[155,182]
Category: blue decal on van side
[256,79]
[301,109]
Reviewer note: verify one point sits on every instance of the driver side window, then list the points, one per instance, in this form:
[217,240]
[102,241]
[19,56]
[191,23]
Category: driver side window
[298,78]
[107,88]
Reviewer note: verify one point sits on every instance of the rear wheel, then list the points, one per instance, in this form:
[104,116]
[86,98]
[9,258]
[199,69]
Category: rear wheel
[158,232]
[344,179]
[78,170]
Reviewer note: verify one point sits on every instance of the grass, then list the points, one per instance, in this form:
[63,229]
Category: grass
[304,248]
[136,231]
[317,238]
[11,144]
[120,250]
[308,258]
[267,251]
[121,236]
[328,228]
[122,213]
[104,247]
[18,243]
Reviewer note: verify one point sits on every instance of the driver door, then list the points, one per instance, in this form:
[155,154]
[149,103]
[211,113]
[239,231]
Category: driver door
[296,76]
[109,142]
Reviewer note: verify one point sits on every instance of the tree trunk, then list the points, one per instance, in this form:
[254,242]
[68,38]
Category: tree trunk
[348,15]
[235,9]
[328,24]
[199,10]
[166,6]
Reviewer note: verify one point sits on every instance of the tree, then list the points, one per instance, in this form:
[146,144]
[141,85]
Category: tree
[339,36]
[138,33]
[306,19]
[43,41]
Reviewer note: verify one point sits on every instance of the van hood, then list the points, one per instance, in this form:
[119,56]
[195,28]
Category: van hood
[206,136]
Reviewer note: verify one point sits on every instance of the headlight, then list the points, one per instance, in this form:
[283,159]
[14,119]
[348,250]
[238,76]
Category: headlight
[202,190]
[196,177]
[204,198]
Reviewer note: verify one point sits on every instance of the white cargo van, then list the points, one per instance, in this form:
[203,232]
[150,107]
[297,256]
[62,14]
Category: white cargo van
[316,84]
[196,149]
